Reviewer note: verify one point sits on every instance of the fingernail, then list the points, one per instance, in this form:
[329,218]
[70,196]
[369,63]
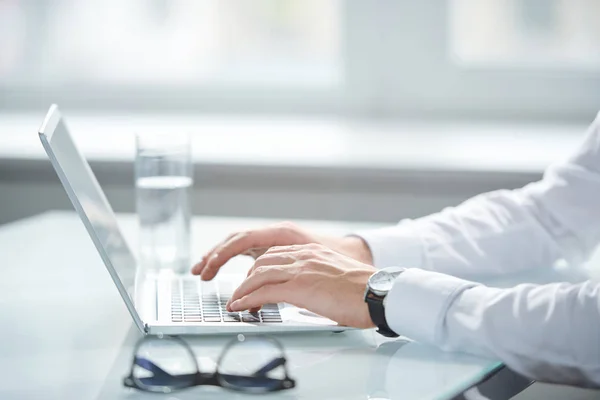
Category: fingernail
[234,305]
[215,255]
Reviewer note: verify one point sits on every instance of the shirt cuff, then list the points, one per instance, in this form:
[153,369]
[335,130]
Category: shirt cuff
[417,304]
[394,246]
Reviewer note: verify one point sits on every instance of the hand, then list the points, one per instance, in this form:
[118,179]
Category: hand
[309,276]
[256,242]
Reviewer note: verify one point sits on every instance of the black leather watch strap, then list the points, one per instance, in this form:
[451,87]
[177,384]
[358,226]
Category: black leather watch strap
[377,312]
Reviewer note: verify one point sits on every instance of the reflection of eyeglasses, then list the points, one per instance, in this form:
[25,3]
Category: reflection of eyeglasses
[250,364]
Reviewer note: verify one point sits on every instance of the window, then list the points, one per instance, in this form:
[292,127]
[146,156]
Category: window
[173,42]
[168,53]
[526,33]
[454,58]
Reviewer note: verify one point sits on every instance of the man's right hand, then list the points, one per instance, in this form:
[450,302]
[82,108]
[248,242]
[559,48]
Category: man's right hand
[256,242]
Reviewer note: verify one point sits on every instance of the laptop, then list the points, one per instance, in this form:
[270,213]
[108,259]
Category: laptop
[159,303]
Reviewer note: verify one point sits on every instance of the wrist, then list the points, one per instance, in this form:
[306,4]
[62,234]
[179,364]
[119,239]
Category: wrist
[357,248]
[376,295]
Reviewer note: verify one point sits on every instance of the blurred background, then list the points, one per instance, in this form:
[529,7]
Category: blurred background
[328,109]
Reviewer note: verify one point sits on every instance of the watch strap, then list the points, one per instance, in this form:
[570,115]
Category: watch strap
[377,312]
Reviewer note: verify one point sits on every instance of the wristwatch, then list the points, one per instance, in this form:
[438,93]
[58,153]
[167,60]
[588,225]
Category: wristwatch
[378,286]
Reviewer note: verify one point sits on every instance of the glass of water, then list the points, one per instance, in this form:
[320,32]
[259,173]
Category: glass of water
[163,180]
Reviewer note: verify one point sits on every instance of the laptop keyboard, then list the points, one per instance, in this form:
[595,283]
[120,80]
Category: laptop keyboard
[197,301]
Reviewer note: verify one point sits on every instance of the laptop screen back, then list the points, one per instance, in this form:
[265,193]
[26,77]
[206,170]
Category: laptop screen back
[90,202]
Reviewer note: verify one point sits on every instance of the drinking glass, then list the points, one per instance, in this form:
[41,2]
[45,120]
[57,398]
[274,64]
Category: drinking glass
[163,180]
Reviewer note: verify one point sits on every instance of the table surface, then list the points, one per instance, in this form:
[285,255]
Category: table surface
[67,334]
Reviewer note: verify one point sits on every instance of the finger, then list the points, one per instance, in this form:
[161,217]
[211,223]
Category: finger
[254,309]
[285,249]
[197,269]
[218,258]
[255,253]
[270,259]
[241,243]
[261,277]
[281,255]
[276,293]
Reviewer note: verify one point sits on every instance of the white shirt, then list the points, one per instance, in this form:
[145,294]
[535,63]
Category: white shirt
[548,332]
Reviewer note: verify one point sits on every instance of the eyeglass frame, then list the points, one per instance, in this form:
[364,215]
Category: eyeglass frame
[208,378]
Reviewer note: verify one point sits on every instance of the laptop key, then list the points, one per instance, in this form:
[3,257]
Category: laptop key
[269,312]
[250,317]
[212,319]
[270,316]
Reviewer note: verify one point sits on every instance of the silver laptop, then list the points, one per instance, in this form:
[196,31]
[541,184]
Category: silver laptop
[158,303]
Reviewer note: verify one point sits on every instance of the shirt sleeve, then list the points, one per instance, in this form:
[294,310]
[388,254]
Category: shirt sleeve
[557,218]
[547,332]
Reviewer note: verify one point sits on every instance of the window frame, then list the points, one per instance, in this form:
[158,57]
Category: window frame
[420,78]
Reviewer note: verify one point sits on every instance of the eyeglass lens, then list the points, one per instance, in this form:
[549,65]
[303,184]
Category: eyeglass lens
[252,363]
[162,365]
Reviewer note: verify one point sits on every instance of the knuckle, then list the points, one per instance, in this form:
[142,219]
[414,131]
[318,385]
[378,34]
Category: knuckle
[287,228]
[229,241]
[305,254]
[269,252]
[262,259]
[278,249]
[243,234]
[310,250]
[287,225]
[313,247]
[274,270]
[260,270]
[294,248]
[322,247]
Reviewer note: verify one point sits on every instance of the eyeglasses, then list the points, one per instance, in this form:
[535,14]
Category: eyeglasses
[166,364]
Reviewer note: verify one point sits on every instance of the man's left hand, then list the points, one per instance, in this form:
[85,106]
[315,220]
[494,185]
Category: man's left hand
[309,276]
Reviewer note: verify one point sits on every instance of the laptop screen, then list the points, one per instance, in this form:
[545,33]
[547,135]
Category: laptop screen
[90,202]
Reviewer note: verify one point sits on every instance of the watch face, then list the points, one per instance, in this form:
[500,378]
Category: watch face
[381,282]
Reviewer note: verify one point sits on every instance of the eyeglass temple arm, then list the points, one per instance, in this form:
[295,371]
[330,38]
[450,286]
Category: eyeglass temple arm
[270,366]
[150,366]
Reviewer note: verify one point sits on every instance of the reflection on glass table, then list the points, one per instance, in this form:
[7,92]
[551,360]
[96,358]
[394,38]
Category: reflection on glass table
[163,364]
[349,365]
